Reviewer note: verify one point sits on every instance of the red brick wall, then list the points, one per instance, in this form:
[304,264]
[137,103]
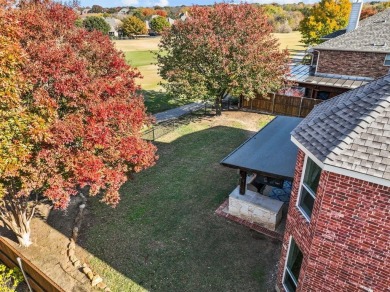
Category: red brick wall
[346,244]
[352,63]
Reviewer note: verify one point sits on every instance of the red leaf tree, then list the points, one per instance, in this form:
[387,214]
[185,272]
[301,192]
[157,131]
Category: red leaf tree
[221,50]
[87,94]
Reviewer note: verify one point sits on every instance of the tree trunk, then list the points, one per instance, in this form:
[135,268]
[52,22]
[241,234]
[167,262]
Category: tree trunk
[218,106]
[24,237]
[17,215]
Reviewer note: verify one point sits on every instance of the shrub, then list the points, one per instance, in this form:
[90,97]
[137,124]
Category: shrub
[283,28]
[9,278]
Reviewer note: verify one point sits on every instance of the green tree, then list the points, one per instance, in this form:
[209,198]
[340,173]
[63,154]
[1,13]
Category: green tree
[96,23]
[132,25]
[138,14]
[325,17]
[158,24]
[221,50]
[96,9]
[79,22]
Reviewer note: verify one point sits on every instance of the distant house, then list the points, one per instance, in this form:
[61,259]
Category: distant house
[349,60]
[147,24]
[115,25]
[337,231]
[124,11]
[77,11]
[183,16]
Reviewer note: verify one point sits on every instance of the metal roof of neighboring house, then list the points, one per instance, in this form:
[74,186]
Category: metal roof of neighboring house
[372,35]
[305,74]
[269,152]
[351,131]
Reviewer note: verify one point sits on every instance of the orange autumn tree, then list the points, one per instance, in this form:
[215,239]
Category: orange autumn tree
[23,126]
[84,93]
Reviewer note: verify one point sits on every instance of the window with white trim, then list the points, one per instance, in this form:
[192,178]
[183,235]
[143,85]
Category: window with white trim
[387,60]
[293,267]
[311,178]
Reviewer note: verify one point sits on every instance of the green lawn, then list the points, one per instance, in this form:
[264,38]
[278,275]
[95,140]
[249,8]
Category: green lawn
[155,98]
[290,41]
[164,234]
[159,101]
[140,58]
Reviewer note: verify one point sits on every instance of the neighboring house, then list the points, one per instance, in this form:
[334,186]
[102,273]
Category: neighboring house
[77,11]
[124,11]
[337,232]
[147,24]
[115,25]
[171,21]
[183,16]
[347,61]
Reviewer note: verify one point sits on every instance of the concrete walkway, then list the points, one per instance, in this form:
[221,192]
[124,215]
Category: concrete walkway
[178,112]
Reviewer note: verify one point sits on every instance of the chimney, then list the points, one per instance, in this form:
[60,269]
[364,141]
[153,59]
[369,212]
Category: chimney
[355,15]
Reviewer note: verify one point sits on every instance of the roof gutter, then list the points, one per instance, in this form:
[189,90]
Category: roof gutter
[349,50]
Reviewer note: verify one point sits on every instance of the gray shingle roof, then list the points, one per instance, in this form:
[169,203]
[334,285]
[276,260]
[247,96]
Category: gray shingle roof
[334,34]
[352,130]
[372,35]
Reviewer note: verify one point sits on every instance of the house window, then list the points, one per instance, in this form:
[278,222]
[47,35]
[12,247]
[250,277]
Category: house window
[311,178]
[293,267]
[387,60]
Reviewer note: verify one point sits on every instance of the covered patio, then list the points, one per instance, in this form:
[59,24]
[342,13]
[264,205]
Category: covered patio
[266,164]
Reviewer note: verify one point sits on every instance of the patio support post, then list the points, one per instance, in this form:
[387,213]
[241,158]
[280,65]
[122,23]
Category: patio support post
[242,182]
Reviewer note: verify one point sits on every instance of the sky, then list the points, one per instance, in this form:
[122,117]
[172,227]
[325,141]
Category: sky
[149,3]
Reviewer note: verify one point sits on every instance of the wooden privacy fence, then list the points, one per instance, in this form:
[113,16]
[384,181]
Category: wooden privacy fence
[281,105]
[37,279]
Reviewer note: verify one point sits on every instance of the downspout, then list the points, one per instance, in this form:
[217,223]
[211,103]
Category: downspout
[318,59]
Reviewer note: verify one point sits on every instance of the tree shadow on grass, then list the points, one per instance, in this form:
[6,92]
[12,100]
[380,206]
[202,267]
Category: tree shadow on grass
[159,101]
[164,234]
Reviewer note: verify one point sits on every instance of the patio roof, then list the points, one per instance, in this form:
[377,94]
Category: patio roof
[270,152]
[304,74]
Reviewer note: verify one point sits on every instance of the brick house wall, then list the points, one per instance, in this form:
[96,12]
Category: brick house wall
[352,63]
[346,244]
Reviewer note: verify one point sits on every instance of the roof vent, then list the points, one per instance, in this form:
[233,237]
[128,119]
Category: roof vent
[378,45]
[380,21]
